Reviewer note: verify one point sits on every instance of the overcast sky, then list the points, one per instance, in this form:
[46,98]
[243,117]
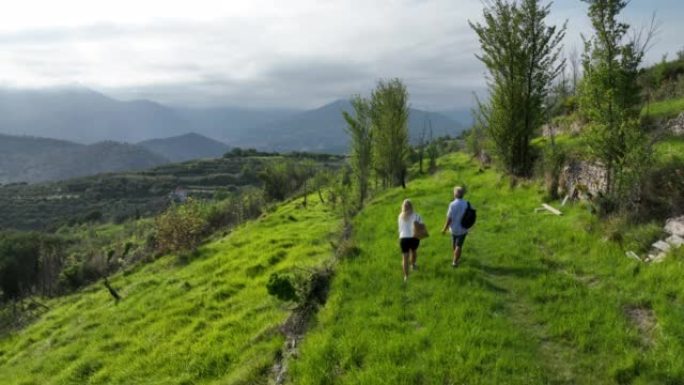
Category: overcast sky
[256,53]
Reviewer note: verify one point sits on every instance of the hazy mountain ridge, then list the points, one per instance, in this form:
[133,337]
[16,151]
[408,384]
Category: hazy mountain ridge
[323,130]
[31,159]
[86,116]
[186,147]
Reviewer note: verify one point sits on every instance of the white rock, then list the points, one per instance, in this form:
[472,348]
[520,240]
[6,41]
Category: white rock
[659,258]
[632,254]
[675,226]
[675,240]
[662,246]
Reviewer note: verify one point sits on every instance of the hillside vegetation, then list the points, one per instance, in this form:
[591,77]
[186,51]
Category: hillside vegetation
[665,109]
[204,318]
[538,299]
[120,196]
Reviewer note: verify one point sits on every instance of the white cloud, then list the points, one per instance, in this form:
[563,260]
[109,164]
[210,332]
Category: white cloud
[297,53]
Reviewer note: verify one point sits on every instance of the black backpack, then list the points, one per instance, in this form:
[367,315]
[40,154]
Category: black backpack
[469,217]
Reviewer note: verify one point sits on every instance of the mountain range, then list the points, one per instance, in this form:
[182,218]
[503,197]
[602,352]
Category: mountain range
[86,116]
[92,133]
[30,159]
[33,159]
[186,147]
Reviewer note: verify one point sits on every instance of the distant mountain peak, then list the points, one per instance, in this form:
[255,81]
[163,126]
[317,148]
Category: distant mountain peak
[186,146]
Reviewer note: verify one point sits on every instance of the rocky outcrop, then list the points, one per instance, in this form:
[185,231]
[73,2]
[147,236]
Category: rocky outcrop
[676,126]
[581,178]
[556,128]
[675,228]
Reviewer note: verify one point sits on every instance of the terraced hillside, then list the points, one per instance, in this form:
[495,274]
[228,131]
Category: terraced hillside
[120,196]
[204,319]
[538,299]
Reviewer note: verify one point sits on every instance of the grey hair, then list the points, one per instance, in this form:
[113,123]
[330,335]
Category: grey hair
[459,192]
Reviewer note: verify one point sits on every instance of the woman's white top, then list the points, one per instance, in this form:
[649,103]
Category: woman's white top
[406,226]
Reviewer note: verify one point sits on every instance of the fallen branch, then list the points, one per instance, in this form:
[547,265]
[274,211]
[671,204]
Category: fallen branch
[112,291]
[634,255]
[551,209]
[565,200]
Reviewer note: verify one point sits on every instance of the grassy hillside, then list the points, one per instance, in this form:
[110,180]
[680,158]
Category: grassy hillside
[538,299]
[203,319]
[665,109]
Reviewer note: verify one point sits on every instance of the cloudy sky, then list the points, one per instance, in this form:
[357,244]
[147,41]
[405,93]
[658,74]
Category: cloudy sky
[258,53]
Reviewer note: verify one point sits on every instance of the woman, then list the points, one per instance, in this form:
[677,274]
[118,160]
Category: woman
[407,241]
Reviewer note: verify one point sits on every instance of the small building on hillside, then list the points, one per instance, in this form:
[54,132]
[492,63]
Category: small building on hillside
[179,195]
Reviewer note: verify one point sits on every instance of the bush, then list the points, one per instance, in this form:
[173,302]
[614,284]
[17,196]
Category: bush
[663,192]
[181,227]
[282,287]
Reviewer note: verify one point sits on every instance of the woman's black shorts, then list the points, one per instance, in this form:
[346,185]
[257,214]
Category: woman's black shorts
[407,244]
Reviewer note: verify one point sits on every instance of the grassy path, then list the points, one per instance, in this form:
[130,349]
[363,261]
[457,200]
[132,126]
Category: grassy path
[538,299]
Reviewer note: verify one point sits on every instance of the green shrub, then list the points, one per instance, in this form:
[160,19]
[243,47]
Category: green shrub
[282,287]
[181,227]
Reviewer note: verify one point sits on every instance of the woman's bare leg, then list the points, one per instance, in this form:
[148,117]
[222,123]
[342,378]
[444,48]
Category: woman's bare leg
[405,264]
[414,257]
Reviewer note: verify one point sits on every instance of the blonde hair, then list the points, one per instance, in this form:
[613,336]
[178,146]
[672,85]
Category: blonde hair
[459,192]
[406,209]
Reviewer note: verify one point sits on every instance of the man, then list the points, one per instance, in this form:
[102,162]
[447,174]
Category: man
[453,221]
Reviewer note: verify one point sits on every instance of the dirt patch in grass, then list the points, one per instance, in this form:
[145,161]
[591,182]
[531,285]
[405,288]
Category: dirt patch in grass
[297,324]
[644,319]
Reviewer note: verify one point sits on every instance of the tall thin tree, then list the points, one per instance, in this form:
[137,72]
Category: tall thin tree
[360,134]
[389,116]
[609,95]
[522,55]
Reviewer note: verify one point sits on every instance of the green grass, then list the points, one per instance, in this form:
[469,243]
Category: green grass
[568,143]
[664,109]
[208,320]
[538,299]
[670,149]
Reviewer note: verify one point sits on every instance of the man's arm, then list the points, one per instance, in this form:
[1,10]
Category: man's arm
[446,225]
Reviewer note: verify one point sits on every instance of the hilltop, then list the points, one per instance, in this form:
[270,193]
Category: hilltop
[538,299]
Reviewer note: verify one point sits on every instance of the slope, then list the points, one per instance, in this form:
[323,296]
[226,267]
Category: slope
[186,147]
[202,319]
[538,299]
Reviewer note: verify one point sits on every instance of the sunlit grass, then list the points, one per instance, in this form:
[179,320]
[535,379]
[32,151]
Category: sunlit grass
[664,109]
[207,320]
[539,299]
